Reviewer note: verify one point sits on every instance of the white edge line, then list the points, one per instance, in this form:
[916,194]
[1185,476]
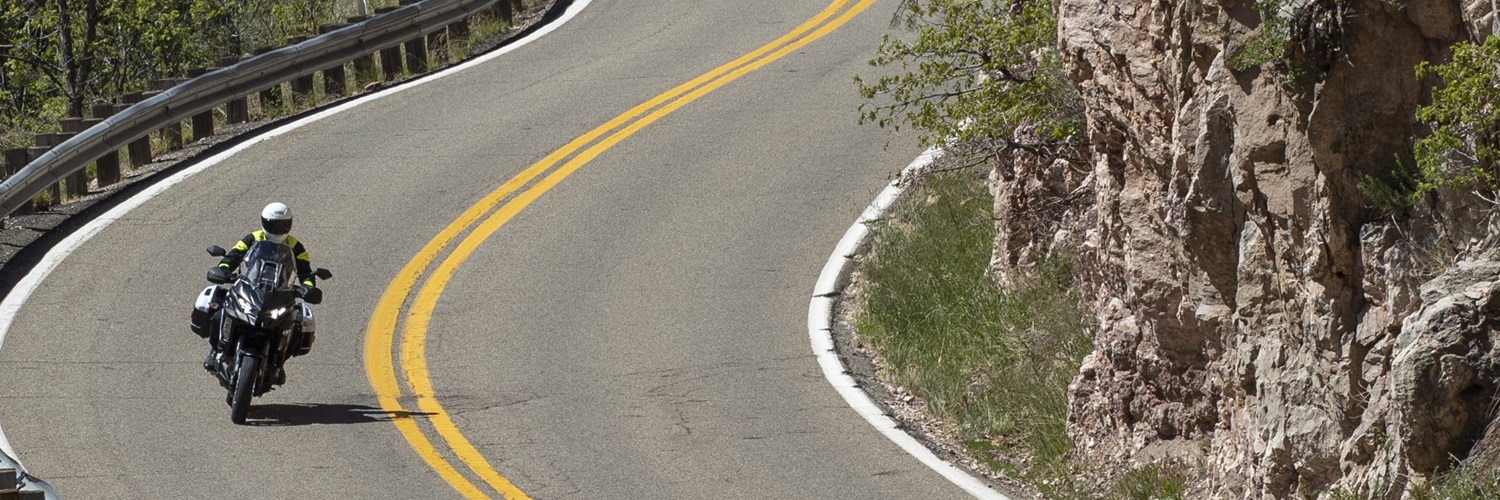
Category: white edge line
[820,332]
[33,280]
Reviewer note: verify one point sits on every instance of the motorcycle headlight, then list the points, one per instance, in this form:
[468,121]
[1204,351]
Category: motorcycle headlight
[276,313]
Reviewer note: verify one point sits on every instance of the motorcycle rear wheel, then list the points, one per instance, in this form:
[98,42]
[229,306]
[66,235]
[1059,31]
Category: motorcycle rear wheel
[239,407]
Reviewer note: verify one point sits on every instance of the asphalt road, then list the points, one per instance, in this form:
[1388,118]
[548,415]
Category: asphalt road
[637,331]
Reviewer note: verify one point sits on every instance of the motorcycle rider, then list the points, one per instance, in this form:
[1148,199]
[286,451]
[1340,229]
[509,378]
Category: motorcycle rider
[276,226]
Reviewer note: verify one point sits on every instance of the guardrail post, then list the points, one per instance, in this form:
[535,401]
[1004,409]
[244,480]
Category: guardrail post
[437,45]
[390,57]
[237,110]
[302,86]
[14,160]
[416,49]
[335,80]
[140,149]
[203,123]
[365,70]
[416,55]
[71,124]
[147,138]
[78,182]
[503,11]
[43,143]
[270,97]
[390,63]
[107,167]
[458,32]
[171,135]
[100,169]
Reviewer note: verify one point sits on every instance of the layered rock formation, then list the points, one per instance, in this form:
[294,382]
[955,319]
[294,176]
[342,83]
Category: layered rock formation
[1257,317]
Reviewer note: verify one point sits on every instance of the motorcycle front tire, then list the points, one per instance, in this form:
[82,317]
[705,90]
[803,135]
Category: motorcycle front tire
[244,382]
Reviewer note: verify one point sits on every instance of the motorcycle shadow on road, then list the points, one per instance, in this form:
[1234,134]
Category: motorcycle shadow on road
[283,415]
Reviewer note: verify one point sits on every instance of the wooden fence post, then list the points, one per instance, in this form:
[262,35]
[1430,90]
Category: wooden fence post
[458,32]
[503,11]
[43,143]
[237,110]
[71,124]
[416,49]
[390,57]
[416,55]
[10,480]
[107,167]
[335,80]
[270,97]
[78,182]
[15,159]
[150,149]
[171,135]
[203,123]
[140,149]
[437,45]
[302,86]
[364,66]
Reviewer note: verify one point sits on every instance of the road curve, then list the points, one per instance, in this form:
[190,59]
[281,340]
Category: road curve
[636,331]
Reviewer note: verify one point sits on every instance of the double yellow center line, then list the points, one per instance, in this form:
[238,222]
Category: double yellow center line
[482,220]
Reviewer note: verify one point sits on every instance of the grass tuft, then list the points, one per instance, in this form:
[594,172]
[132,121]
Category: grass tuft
[1473,479]
[1152,482]
[482,27]
[994,362]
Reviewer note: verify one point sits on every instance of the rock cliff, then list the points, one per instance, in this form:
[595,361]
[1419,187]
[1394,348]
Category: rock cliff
[1256,317]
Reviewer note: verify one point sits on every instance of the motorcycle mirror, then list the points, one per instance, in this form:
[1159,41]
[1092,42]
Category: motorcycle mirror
[323,273]
[217,251]
[312,295]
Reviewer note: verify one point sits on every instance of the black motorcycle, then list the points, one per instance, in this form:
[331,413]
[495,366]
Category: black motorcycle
[261,317]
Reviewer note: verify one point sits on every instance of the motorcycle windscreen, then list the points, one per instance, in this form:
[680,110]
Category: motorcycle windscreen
[270,266]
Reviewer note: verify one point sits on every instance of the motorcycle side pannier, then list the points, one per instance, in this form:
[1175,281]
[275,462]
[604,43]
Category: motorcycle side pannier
[203,310]
[305,333]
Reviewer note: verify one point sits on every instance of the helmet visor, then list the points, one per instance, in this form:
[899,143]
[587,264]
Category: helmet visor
[282,226]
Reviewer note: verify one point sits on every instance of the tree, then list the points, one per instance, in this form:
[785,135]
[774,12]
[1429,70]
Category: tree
[32,84]
[1464,147]
[56,56]
[976,72]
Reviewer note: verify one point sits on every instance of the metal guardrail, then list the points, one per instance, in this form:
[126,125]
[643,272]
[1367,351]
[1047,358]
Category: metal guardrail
[238,80]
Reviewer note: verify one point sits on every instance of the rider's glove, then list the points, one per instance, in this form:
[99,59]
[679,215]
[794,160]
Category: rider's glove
[312,295]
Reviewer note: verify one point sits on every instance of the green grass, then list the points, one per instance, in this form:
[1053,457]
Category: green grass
[1151,483]
[481,27]
[1468,480]
[994,362]
[1391,194]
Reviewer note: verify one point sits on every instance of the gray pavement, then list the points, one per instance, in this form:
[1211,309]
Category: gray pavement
[637,332]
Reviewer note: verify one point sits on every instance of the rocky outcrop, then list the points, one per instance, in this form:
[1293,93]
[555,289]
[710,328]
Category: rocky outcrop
[1447,365]
[1257,317]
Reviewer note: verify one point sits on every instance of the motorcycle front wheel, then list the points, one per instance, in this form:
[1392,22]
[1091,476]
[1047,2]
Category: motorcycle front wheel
[244,382]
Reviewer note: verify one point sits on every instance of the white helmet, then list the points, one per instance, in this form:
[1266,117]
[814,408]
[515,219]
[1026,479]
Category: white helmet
[276,219]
